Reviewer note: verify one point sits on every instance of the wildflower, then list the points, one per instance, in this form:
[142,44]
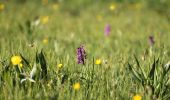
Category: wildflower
[81,55]
[45,40]
[60,66]
[2,7]
[16,60]
[27,79]
[137,97]
[98,62]
[151,40]
[113,7]
[107,30]
[20,65]
[76,86]
[44,19]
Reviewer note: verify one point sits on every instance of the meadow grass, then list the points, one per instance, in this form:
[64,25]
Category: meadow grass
[65,29]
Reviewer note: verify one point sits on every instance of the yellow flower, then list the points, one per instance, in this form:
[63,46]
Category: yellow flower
[60,65]
[44,19]
[98,62]
[16,60]
[113,7]
[137,97]
[76,86]
[2,6]
[45,40]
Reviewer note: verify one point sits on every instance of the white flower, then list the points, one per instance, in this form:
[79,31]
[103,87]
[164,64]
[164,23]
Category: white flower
[32,74]
[29,79]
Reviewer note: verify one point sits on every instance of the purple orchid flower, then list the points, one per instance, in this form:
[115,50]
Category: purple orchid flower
[81,55]
[151,40]
[107,30]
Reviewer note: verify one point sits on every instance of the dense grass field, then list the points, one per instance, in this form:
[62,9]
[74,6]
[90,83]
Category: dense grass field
[126,48]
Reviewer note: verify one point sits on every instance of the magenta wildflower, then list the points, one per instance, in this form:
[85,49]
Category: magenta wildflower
[81,55]
[107,30]
[151,40]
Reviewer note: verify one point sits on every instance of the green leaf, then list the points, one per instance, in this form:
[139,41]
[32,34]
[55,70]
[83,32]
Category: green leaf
[166,95]
[29,27]
[26,61]
[37,57]
[22,75]
[43,64]
[135,73]
[21,28]
[152,71]
[142,71]
[64,78]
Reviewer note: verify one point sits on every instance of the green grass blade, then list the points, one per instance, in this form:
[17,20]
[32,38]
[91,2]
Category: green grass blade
[43,64]
[142,71]
[135,73]
[152,71]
